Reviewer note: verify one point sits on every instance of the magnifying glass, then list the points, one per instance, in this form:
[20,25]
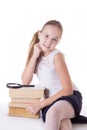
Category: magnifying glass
[17,85]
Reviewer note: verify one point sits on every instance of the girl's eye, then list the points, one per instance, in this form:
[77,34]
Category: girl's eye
[46,36]
[54,39]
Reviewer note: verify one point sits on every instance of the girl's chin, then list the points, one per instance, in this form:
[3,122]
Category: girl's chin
[45,53]
[45,49]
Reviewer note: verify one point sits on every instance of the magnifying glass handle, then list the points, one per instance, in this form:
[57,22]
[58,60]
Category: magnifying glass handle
[28,85]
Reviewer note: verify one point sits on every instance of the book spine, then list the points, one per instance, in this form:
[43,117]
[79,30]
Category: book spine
[26,93]
[26,100]
[21,112]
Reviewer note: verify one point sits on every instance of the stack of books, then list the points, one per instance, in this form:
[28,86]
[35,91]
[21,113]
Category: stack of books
[21,98]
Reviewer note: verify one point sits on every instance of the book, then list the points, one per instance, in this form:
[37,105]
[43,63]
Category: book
[19,104]
[21,112]
[25,100]
[21,98]
[27,92]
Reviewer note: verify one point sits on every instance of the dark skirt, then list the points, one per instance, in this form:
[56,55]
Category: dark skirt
[75,100]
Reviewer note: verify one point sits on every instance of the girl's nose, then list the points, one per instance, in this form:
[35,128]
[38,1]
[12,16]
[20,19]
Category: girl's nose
[48,41]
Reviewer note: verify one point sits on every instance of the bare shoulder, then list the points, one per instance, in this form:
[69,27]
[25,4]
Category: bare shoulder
[59,57]
[59,63]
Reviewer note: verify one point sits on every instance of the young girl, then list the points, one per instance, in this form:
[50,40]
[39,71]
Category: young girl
[63,100]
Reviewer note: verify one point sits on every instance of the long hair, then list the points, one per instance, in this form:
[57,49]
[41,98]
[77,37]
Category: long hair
[35,38]
[31,46]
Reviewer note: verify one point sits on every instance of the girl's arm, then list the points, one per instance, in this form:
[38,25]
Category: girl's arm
[65,80]
[30,68]
[28,71]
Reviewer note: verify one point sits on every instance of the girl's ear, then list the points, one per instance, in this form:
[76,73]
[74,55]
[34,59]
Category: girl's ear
[39,34]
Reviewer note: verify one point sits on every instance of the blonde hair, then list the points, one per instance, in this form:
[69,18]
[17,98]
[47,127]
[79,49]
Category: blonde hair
[31,46]
[35,38]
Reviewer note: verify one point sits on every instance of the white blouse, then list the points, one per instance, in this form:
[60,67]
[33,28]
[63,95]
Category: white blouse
[47,75]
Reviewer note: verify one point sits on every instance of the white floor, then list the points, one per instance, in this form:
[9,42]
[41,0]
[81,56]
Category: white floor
[15,123]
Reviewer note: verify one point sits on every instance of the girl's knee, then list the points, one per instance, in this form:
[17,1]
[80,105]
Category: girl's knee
[51,114]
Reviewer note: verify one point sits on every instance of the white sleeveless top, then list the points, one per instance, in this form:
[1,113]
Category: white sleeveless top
[47,75]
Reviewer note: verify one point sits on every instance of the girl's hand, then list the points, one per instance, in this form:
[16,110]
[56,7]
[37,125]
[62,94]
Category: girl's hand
[33,108]
[37,50]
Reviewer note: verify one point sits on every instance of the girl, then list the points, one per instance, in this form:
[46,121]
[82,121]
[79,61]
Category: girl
[63,100]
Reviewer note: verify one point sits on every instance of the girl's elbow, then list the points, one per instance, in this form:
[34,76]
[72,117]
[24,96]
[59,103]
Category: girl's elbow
[25,81]
[70,91]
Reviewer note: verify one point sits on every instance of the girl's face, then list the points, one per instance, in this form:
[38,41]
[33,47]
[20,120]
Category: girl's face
[49,37]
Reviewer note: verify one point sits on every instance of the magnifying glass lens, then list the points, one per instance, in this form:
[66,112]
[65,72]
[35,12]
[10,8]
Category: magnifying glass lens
[13,85]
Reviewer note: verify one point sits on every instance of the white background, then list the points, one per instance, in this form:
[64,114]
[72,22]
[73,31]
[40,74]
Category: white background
[19,19]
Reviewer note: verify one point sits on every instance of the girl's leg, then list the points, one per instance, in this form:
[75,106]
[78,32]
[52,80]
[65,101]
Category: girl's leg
[57,113]
[66,125]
